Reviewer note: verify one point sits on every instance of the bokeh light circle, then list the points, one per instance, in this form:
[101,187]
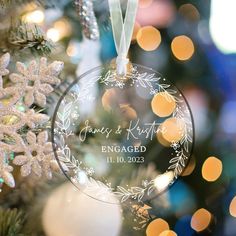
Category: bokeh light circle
[182,47]
[148,38]
[190,12]
[232,207]
[156,227]
[212,169]
[168,233]
[163,105]
[201,219]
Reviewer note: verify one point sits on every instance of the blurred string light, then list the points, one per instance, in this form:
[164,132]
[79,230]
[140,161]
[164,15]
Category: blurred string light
[222,25]
[73,49]
[172,129]
[190,12]
[128,112]
[212,169]
[162,181]
[162,141]
[232,207]
[63,26]
[190,167]
[201,219]
[182,47]
[60,29]
[163,104]
[148,38]
[53,34]
[109,99]
[156,227]
[145,3]
[36,16]
[168,233]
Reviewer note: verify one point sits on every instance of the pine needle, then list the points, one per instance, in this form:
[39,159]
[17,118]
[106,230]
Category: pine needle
[11,222]
[22,36]
[7,3]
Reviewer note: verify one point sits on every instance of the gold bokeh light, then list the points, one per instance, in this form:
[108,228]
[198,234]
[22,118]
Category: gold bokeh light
[232,207]
[190,12]
[190,167]
[201,219]
[182,47]
[63,27]
[161,140]
[172,129]
[168,233]
[212,169]
[163,104]
[156,227]
[109,99]
[149,38]
[36,16]
[128,112]
[53,34]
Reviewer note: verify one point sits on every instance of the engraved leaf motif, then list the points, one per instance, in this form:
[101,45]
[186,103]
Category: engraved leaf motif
[151,189]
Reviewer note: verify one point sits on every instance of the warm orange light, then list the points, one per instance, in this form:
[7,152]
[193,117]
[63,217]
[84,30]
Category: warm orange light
[173,129]
[182,48]
[201,220]
[63,27]
[156,227]
[168,233]
[145,3]
[212,169]
[190,12]
[163,104]
[53,34]
[36,16]
[109,99]
[162,141]
[148,38]
[232,207]
[190,167]
[128,112]
[162,181]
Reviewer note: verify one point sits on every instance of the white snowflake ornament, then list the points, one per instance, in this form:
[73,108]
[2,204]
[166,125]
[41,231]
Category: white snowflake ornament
[30,85]
[5,172]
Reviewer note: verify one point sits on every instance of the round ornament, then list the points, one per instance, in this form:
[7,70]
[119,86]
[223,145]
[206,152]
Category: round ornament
[61,216]
[108,126]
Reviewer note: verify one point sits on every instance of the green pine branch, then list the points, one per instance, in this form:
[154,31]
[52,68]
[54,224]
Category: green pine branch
[9,3]
[22,36]
[11,222]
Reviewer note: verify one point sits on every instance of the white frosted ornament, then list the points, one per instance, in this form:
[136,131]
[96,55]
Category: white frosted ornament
[68,212]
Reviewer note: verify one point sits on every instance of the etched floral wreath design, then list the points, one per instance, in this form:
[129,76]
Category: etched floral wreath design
[146,80]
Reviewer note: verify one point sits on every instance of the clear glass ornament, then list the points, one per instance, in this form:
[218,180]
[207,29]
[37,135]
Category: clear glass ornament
[122,138]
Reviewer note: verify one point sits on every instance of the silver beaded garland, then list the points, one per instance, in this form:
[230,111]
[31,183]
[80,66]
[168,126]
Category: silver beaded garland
[87,17]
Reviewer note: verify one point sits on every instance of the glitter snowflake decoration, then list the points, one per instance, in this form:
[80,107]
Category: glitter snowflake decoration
[20,142]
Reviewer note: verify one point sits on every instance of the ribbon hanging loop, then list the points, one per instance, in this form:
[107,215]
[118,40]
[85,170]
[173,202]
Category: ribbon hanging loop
[122,31]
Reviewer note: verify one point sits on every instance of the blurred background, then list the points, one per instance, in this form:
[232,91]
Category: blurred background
[193,44]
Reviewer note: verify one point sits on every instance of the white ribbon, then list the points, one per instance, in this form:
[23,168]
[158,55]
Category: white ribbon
[122,31]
